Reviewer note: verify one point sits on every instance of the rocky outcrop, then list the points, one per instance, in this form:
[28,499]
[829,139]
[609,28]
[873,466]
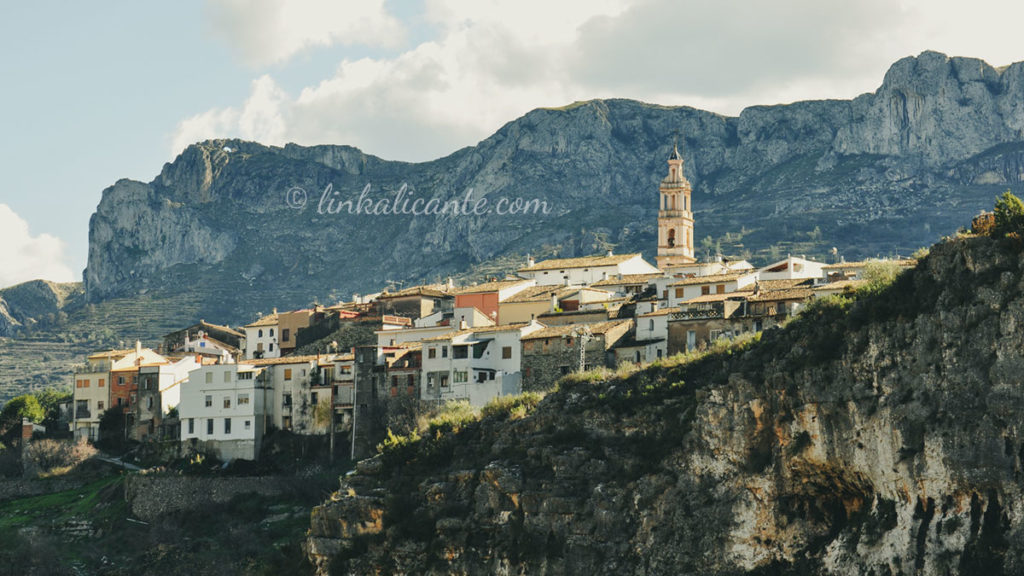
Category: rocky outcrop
[879,437]
[38,302]
[885,173]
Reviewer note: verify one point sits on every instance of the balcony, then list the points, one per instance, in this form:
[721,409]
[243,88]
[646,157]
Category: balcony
[698,314]
[83,414]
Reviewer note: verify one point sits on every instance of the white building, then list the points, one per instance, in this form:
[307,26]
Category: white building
[261,338]
[689,288]
[160,391]
[652,333]
[792,268]
[474,364]
[586,270]
[226,410]
[292,380]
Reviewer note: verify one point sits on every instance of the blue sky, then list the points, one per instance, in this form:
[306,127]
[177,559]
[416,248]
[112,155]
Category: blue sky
[95,92]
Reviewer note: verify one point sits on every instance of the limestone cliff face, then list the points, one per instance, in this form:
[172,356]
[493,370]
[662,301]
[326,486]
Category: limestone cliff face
[885,173]
[881,437]
[33,303]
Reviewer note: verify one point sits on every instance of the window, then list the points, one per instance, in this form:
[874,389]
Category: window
[506,352]
[209,400]
[102,383]
[444,380]
[287,400]
[432,352]
[314,398]
[459,352]
[259,334]
[248,424]
[120,380]
[680,292]
[720,289]
[120,401]
[191,425]
[394,381]
[99,406]
[659,352]
[271,347]
[245,375]
[444,351]
[227,401]
[286,423]
[227,425]
[460,376]
[227,376]
[285,334]
[209,379]
[650,324]
[271,332]
[410,380]
[82,409]
[705,290]
[259,346]
[287,373]
[209,427]
[243,399]
[149,403]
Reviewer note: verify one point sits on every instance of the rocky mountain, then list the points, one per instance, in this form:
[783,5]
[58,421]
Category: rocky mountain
[884,173]
[33,303]
[882,436]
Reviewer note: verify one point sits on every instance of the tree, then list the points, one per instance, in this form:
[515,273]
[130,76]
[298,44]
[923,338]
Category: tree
[20,407]
[1009,214]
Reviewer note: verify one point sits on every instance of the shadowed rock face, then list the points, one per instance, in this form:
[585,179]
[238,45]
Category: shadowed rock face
[880,437]
[884,173]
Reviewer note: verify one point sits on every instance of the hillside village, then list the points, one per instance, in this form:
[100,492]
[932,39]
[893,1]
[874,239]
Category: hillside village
[220,390]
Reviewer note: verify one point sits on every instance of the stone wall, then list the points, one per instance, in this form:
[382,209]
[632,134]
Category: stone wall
[150,496]
[14,489]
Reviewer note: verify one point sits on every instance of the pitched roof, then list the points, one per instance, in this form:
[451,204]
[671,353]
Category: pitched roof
[559,331]
[799,293]
[477,330]
[706,298]
[582,262]
[281,360]
[696,280]
[111,354]
[660,312]
[432,290]
[862,263]
[840,285]
[627,279]
[268,320]
[489,286]
[539,294]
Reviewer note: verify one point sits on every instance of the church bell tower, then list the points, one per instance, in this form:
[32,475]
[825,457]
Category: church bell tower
[675,218]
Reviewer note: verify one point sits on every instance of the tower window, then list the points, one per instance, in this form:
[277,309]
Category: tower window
[671,238]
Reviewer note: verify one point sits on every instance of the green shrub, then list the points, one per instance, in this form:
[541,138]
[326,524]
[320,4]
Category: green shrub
[514,407]
[452,417]
[395,443]
[1009,214]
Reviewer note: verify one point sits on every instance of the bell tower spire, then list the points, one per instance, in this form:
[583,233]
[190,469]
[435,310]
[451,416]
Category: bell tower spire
[675,217]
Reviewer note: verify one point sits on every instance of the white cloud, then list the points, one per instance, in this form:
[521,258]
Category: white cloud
[491,61]
[266,32]
[25,257]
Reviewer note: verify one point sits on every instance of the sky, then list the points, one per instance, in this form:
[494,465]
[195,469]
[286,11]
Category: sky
[93,92]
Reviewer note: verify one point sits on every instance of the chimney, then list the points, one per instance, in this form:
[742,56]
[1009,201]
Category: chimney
[450,283]
[138,347]
[529,261]
[462,323]
[275,311]
[604,275]
[554,301]
[610,254]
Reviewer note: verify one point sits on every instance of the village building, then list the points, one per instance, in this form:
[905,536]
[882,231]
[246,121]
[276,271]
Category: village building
[202,335]
[416,301]
[585,270]
[689,288]
[159,391]
[474,364]
[290,323]
[487,296]
[627,284]
[261,338]
[555,351]
[226,410]
[294,382]
[106,380]
[792,268]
